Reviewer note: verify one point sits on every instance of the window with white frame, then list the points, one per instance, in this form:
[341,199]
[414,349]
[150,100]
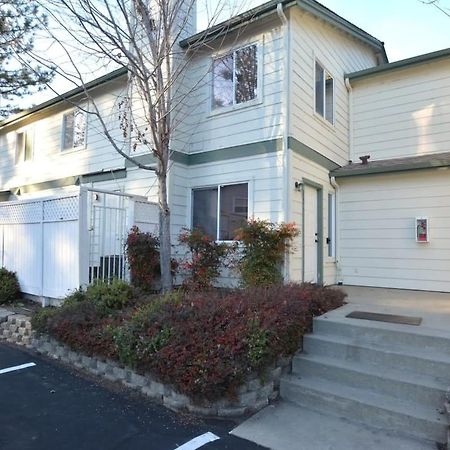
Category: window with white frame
[220,210]
[74,129]
[324,93]
[235,77]
[24,146]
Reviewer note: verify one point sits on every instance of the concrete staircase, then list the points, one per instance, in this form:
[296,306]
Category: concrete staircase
[388,376]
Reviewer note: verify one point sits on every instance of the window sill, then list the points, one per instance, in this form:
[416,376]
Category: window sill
[230,109]
[71,150]
[325,122]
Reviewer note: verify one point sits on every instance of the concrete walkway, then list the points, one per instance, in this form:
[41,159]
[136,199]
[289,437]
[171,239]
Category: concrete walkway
[290,427]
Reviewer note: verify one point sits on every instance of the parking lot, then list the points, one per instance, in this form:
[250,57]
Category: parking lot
[49,406]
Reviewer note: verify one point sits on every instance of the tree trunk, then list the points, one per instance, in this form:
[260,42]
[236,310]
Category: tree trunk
[164,234]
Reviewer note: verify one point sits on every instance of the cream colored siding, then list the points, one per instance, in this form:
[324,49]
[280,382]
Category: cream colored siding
[403,112]
[339,54]
[202,129]
[377,229]
[303,168]
[49,161]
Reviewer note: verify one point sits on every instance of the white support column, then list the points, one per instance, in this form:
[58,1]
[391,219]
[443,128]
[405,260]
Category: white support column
[83,238]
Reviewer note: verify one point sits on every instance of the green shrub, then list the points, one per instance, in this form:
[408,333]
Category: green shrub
[41,318]
[107,296]
[265,245]
[9,286]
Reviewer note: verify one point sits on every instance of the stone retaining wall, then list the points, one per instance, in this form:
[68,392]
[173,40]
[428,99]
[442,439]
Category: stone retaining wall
[252,396]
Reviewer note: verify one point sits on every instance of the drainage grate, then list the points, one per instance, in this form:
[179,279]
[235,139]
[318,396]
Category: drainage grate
[391,318]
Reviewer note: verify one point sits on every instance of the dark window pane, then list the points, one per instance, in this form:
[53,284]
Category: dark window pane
[28,155]
[223,82]
[205,211]
[246,74]
[20,147]
[329,87]
[233,210]
[68,131]
[319,89]
[79,128]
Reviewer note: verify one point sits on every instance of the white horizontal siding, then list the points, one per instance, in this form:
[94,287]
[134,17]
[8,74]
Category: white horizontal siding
[49,162]
[198,129]
[377,230]
[403,113]
[339,53]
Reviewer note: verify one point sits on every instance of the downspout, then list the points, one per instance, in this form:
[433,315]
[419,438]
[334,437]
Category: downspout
[337,233]
[350,117]
[286,114]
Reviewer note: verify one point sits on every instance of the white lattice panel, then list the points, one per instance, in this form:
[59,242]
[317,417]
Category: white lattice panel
[21,213]
[145,213]
[61,209]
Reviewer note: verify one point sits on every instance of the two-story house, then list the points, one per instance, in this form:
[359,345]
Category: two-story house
[292,93]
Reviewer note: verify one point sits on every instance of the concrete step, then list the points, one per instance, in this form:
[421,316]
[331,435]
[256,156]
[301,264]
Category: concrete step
[385,335]
[401,384]
[361,405]
[420,361]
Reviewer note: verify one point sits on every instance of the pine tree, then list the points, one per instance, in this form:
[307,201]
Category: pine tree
[19,73]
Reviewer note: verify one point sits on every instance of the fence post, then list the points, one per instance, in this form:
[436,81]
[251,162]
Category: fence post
[83,238]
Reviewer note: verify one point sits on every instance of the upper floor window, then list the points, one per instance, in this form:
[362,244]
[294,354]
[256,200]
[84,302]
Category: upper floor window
[24,146]
[324,94]
[235,77]
[74,129]
[220,210]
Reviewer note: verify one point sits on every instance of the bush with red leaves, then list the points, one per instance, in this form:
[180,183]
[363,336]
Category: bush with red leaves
[205,344]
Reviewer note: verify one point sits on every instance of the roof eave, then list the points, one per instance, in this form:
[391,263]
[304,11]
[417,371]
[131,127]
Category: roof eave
[397,65]
[311,6]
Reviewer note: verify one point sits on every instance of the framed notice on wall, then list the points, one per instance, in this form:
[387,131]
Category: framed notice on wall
[422,229]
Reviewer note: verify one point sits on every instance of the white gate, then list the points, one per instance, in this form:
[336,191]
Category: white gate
[57,244]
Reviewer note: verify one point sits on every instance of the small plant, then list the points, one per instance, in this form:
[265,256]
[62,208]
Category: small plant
[143,258]
[206,258]
[109,296]
[265,245]
[9,286]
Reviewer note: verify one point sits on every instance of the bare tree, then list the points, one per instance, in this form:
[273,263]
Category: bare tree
[143,37]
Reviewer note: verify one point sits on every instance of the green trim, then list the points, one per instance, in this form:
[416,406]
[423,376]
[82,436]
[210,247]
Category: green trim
[66,96]
[311,154]
[320,259]
[96,177]
[52,184]
[141,159]
[270,7]
[211,156]
[240,151]
[416,60]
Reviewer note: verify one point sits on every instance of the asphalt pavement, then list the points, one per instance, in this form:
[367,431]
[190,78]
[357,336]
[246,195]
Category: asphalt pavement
[49,406]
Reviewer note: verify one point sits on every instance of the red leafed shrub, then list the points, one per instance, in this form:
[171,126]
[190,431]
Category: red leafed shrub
[204,343]
[143,258]
[205,259]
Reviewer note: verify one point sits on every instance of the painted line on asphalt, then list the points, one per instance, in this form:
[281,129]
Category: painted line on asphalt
[199,441]
[12,369]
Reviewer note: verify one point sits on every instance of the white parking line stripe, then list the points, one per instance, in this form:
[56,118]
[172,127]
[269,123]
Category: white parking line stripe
[12,369]
[199,441]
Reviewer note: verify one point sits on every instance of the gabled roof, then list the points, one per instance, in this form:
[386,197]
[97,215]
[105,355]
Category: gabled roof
[66,96]
[311,6]
[394,165]
[416,60]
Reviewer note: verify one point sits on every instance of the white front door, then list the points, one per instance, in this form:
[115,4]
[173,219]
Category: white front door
[310,230]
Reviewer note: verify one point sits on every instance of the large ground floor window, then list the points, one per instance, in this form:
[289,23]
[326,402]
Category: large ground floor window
[220,210]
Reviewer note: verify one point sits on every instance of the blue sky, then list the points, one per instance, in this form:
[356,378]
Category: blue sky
[407,27]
